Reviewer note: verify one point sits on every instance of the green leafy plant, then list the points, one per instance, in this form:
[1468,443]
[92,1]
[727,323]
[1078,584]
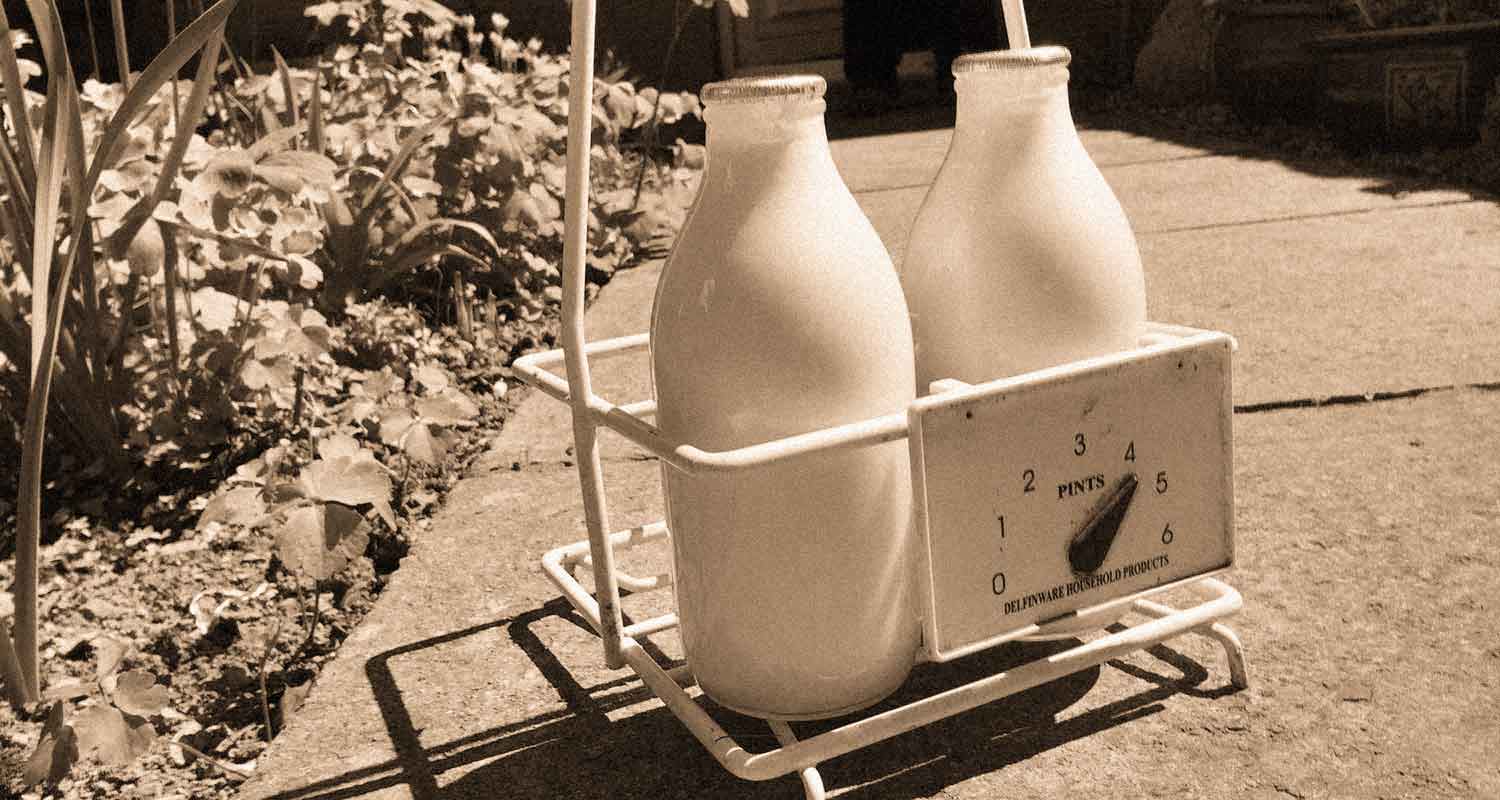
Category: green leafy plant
[63,157]
[249,305]
[114,727]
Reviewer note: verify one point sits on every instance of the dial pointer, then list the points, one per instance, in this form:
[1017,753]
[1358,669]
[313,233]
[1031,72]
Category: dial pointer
[1090,545]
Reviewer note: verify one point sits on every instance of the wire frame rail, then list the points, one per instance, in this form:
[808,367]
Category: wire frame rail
[621,643]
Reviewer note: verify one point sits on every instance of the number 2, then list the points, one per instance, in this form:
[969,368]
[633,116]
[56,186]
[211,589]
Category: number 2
[1030,477]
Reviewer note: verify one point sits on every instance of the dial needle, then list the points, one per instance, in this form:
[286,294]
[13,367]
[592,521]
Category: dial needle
[1090,545]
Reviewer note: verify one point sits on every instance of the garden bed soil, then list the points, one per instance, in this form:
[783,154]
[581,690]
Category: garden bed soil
[208,609]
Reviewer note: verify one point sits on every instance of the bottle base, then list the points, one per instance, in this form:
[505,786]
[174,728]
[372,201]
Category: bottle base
[802,717]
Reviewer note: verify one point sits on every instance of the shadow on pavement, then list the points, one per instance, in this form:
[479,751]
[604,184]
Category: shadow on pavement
[922,108]
[582,752]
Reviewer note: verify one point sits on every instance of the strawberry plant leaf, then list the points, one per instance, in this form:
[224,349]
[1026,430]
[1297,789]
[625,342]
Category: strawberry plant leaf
[420,444]
[318,540]
[241,505]
[451,408]
[381,384]
[394,423]
[108,653]
[433,379]
[351,480]
[339,446]
[110,736]
[215,310]
[56,751]
[138,693]
[383,508]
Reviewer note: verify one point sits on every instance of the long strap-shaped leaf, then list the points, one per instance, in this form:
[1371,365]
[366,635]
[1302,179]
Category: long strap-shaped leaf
[57,131]
[15,97]
[171,59]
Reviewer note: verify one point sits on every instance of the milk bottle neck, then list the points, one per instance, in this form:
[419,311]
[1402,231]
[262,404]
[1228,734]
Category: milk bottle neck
[1021,107]
[749,141]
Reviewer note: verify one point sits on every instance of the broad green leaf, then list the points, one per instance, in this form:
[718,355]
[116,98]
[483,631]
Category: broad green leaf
[241,505]
[421,444]
[110,736]
[318,540]
[56,751]
[214,310]
[381,384]
[349,480]
[339,446]
[274,142]
[450,408]
[108,653]
[432,378]
[293,170]
[138,693]
[394,422]
[257,375]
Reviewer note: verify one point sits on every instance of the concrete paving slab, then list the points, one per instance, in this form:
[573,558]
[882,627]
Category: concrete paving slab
[1187,194]
[1384,301]
[902,160]
[471,680]
[1363,556]
[1229,190]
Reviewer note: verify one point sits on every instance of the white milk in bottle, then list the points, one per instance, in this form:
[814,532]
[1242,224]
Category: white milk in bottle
[1020,257]
[779,313]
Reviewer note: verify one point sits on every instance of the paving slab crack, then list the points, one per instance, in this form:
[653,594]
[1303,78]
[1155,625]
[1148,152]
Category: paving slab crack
[1299,217]
[1359,398]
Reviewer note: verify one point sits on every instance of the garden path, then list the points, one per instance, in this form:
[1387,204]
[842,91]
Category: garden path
[1364,544]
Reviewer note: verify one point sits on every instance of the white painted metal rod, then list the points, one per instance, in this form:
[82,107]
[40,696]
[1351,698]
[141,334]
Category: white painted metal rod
[882,726]
[575,246]
[577,554]
[812,782]
[646,627]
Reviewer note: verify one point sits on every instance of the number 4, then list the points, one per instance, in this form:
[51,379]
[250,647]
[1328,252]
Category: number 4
[1130,451]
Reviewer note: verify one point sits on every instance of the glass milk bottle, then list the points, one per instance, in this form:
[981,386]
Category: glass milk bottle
[779,313]
[1020,257]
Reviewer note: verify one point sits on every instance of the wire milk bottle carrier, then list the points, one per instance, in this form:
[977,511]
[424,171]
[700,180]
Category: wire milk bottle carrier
[1050,502]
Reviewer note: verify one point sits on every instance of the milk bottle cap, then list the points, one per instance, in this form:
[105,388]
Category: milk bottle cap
[1001,60]
[806,87]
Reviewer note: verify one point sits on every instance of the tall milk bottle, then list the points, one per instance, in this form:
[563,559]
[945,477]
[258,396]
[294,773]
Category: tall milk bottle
[1020,257]
[779,313]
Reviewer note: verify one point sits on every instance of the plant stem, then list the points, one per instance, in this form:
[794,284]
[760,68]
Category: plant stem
[174,348]
[312,627]
[297,400]
[265,702]
[88,17]
[232,769]
[176,98]
[122,47]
